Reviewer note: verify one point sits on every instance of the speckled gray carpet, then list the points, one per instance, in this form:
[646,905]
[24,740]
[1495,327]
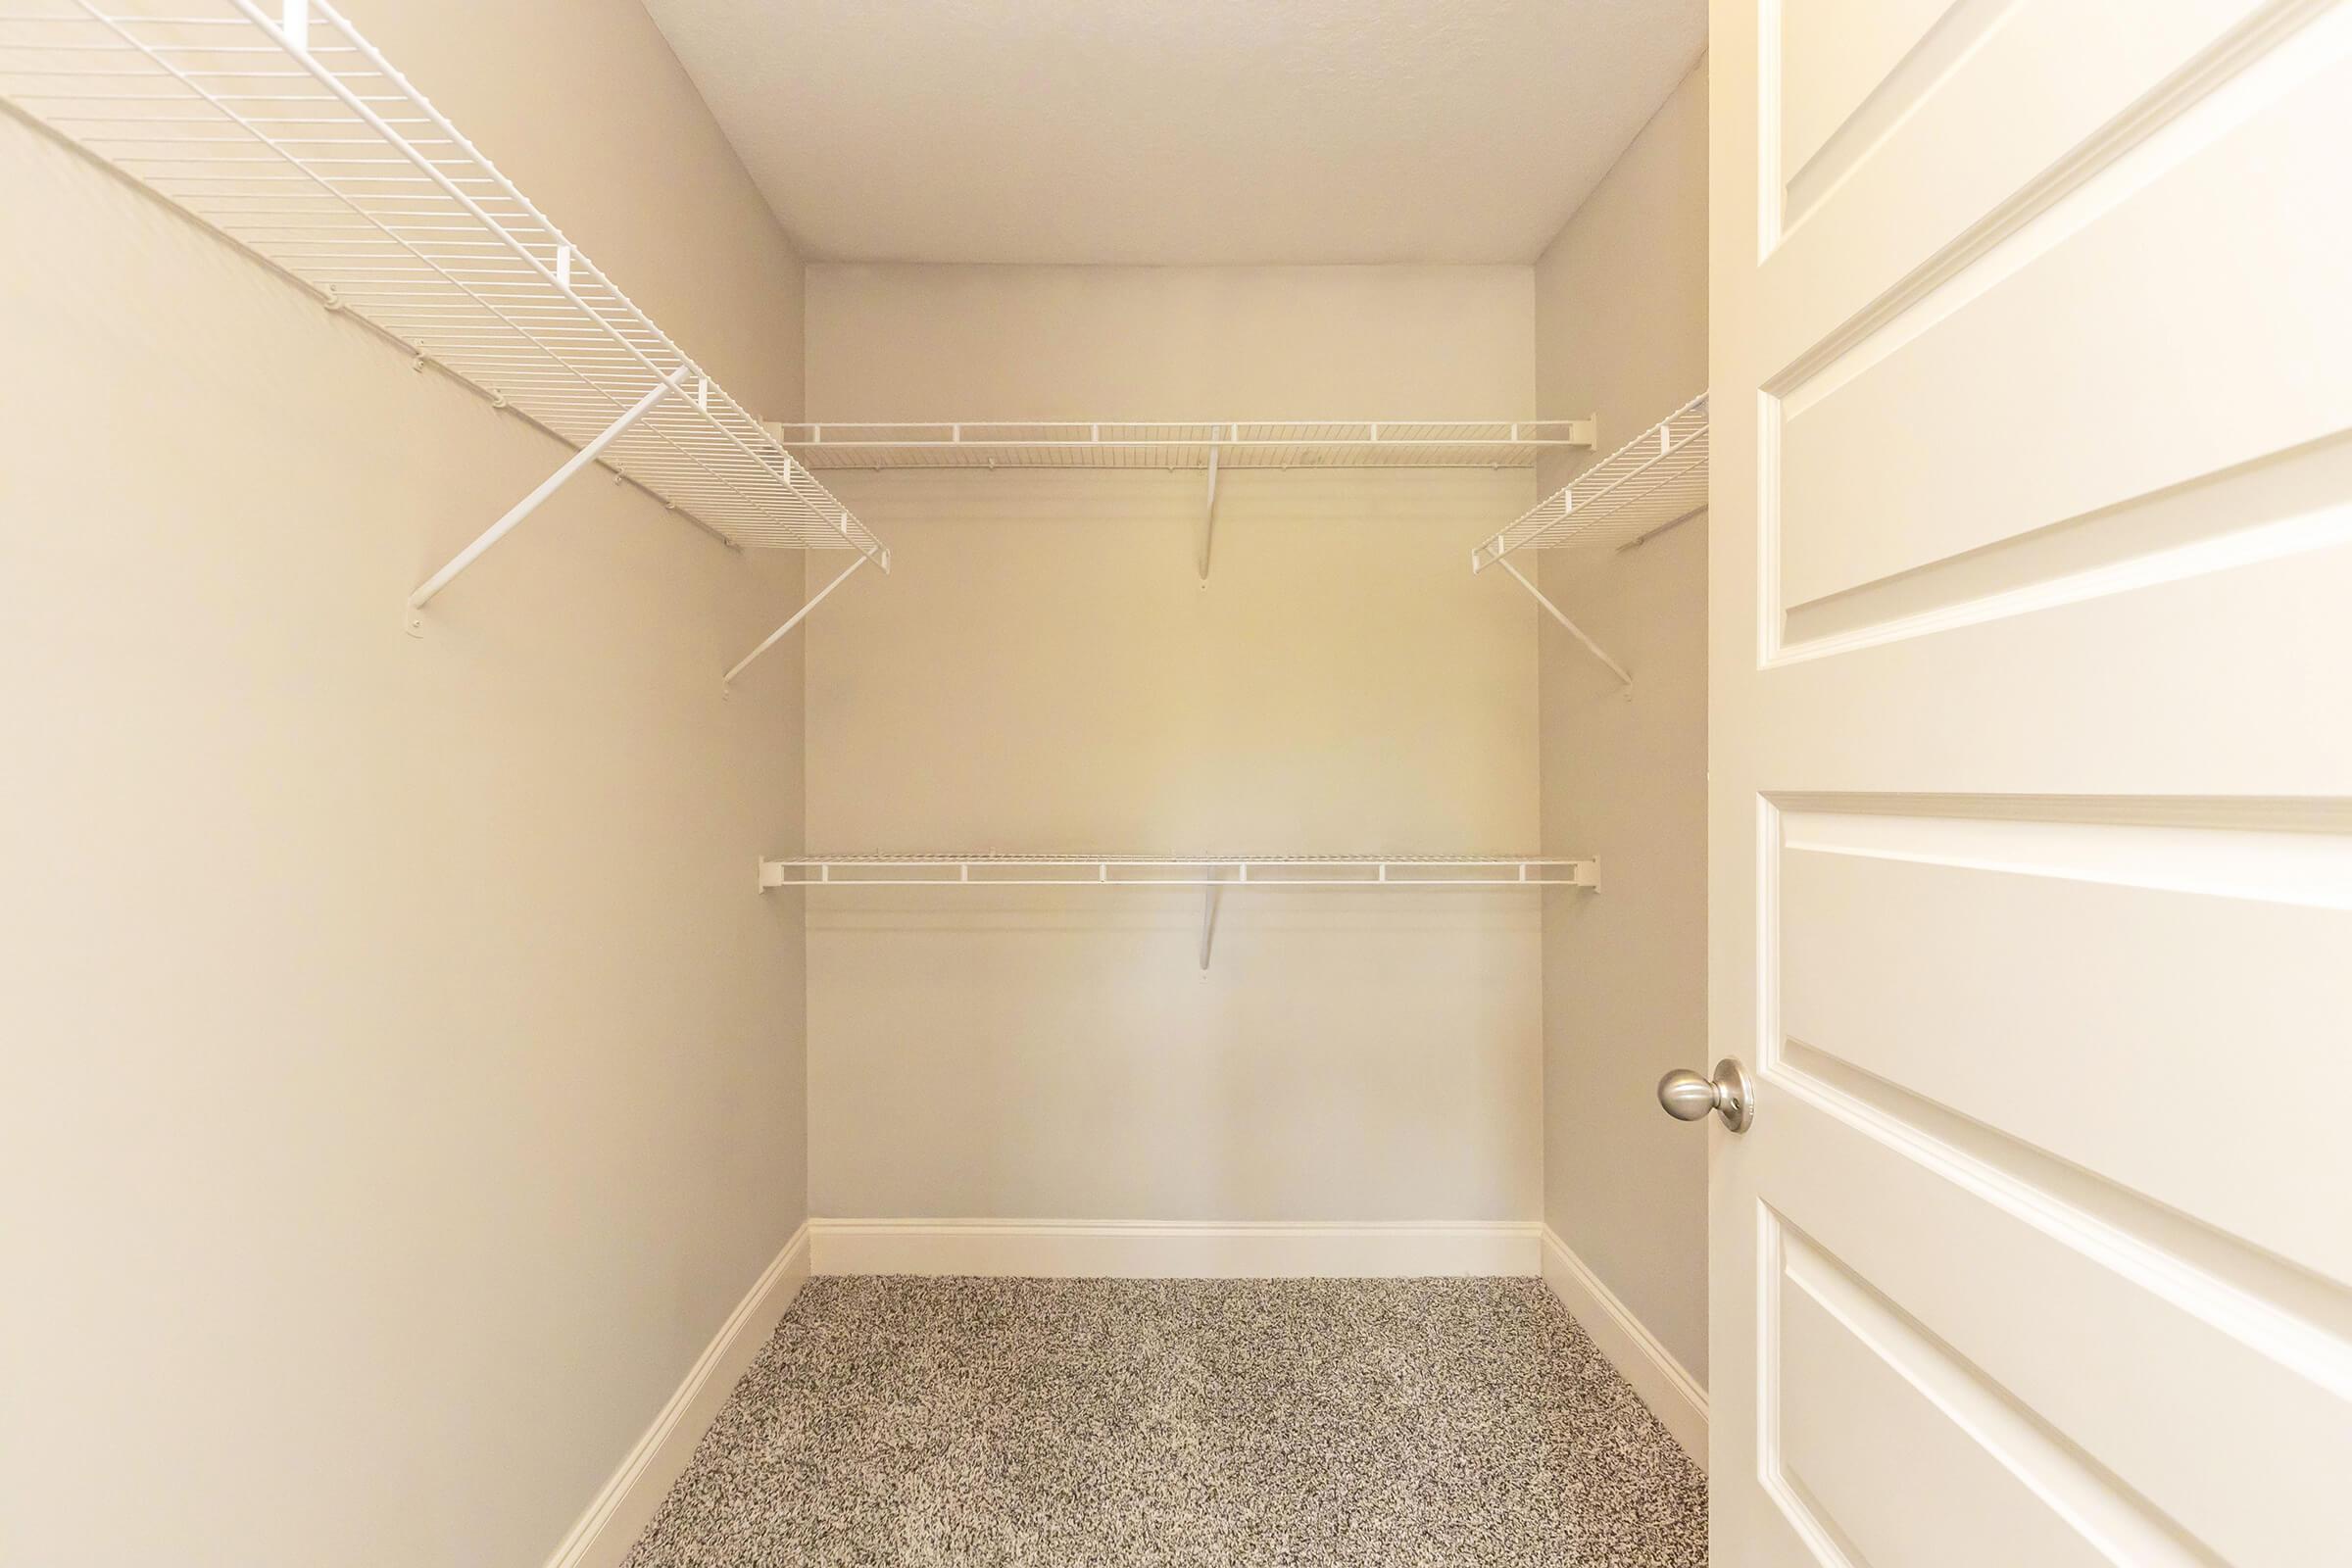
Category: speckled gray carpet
[906,1423]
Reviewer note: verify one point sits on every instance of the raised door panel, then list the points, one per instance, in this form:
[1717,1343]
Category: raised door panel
[2134,988]
[2106,351]
[1888,1448]
[2218,1417]
[1890,168]
[1837,60]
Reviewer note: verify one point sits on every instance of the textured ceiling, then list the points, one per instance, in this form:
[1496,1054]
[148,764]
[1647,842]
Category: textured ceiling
[1180,131]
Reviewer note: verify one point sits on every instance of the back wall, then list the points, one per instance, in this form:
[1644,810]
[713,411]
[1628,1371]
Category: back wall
[1044,672]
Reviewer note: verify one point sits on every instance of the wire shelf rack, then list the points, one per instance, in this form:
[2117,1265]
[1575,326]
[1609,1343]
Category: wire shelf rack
[1656,479]
[1184,444]
[285,130]
[1213,875]
[1196,872]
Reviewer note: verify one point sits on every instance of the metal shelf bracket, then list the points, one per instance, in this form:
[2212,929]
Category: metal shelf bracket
[727,680]
[532,502]
[1574,630]
[1209,528]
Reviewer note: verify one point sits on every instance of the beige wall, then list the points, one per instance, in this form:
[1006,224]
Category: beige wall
[1621,313]
[1043,672]
[403,1079]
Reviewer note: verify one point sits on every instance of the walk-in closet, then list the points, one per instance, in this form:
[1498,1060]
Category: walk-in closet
[1104,784]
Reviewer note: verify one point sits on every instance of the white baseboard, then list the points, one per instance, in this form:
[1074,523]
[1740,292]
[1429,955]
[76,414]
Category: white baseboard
[625,1505]
[1672,1393]
[1173,1248]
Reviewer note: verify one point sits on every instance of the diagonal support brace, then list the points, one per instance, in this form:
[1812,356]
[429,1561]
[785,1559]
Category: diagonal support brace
[1574,630]
[1208,520]
[798,615]
[1208,924]
[532,502]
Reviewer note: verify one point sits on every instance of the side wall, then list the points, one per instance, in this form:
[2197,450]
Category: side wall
[1621,315]
[1043,672]
[403,1079]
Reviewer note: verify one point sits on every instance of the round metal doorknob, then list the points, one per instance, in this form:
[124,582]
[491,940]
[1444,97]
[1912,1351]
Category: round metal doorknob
[1688,1097]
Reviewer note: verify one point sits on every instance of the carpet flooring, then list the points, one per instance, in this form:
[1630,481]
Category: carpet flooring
[1002,1423]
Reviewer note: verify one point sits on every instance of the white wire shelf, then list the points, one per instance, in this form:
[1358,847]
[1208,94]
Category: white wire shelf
[1200,872]
[1654,480]
[285,130]
[1184,444]
[1214,874]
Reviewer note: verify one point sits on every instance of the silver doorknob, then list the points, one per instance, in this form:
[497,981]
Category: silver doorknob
[1730,1093]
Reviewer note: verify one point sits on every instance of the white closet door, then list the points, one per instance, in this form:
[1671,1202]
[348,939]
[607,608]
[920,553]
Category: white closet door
[2032,799]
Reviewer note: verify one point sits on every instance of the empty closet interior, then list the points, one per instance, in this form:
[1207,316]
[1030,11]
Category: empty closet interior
[666,649]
